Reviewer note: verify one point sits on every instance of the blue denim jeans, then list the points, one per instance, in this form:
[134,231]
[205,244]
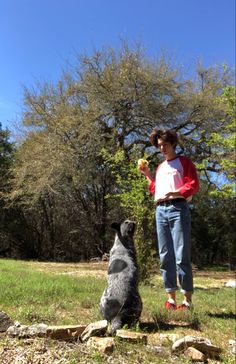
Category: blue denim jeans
[173,232]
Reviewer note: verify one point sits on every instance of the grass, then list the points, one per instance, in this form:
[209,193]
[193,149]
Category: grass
[31,296]
[57,294]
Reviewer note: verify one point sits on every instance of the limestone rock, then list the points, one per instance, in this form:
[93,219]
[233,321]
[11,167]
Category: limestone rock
[168,338]
[95,259]
[232,346]
[5,321]
[65,332]
[23,331]
[104,345]
[134,337]
[200,343]
[231,283]
[160,350]
[105,257]
[195,355]
[98,328]
[180,323]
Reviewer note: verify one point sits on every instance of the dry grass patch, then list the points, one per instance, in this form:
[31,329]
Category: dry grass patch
[34,292]
[98,269]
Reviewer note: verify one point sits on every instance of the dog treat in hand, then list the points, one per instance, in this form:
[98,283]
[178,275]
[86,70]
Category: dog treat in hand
[142,163]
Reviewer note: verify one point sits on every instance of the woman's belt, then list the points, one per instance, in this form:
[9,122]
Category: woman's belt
[170,201]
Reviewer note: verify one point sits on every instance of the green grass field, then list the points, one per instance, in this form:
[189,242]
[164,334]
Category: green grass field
[57,294]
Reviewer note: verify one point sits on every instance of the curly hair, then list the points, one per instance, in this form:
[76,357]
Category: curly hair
[167,135]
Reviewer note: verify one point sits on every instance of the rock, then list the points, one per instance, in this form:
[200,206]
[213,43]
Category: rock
[232,346]
[195,355]
[231,283]
[105,257]
[37,330]
[95,259]
[104,345]
[161,350]
[98,328]
[5,321]
[23,331]
[168,338]
[65,332]
[17,330]
[134,337]
[17,324]
[186,341]
[200,343]
[180,323]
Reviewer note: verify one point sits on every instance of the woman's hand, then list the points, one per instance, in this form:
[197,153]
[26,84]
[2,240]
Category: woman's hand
[170,195]
[145,171]
[142,163]
[143,168]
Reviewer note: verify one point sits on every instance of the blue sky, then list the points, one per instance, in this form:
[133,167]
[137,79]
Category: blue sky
[38,37]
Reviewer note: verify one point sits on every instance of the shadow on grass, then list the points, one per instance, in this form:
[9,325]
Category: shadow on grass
[162,325]
[196,288]
[209,289]
[149,327]
[152,327]
[171,320]
[223,315]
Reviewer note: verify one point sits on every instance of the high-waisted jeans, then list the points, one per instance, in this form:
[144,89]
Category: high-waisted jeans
[173,232]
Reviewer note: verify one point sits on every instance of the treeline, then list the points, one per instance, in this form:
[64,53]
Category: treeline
[74,170]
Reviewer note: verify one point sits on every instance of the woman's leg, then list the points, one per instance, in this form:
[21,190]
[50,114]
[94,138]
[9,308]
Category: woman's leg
[166,251]
[180,223]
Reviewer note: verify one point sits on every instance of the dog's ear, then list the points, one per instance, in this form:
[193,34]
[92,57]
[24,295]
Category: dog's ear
[116,226]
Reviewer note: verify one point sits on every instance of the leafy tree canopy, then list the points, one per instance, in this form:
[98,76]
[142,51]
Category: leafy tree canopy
[85,133]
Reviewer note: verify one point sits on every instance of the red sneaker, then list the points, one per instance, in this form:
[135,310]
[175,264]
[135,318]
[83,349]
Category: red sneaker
[170,306]
[184,307]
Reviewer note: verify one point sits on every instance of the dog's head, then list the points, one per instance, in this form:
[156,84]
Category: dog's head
[125,229]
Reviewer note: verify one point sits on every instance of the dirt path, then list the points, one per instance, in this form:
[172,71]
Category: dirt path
[99,269]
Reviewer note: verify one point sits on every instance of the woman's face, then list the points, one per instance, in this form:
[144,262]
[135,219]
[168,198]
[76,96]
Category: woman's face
[166,149]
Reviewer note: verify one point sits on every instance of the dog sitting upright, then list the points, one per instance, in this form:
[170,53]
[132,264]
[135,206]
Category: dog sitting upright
[121,303]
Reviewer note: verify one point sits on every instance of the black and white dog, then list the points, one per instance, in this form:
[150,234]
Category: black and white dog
[121,303]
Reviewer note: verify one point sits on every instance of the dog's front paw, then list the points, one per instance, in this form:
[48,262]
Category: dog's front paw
[116,324]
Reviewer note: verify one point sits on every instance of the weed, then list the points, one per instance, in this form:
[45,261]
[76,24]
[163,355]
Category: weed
[97,357]
[33,292]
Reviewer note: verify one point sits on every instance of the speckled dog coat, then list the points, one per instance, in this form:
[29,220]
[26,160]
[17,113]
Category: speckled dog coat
[121,303]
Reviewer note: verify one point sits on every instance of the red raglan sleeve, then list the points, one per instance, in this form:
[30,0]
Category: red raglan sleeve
[152,187]
[190,178]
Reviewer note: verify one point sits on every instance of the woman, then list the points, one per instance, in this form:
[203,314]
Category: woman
[175,183]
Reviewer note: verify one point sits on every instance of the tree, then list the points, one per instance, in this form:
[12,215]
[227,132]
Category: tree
[213,229]
[6,149]
[109,102]
[218,196]
[222,144]
[6,160]
[132,195]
